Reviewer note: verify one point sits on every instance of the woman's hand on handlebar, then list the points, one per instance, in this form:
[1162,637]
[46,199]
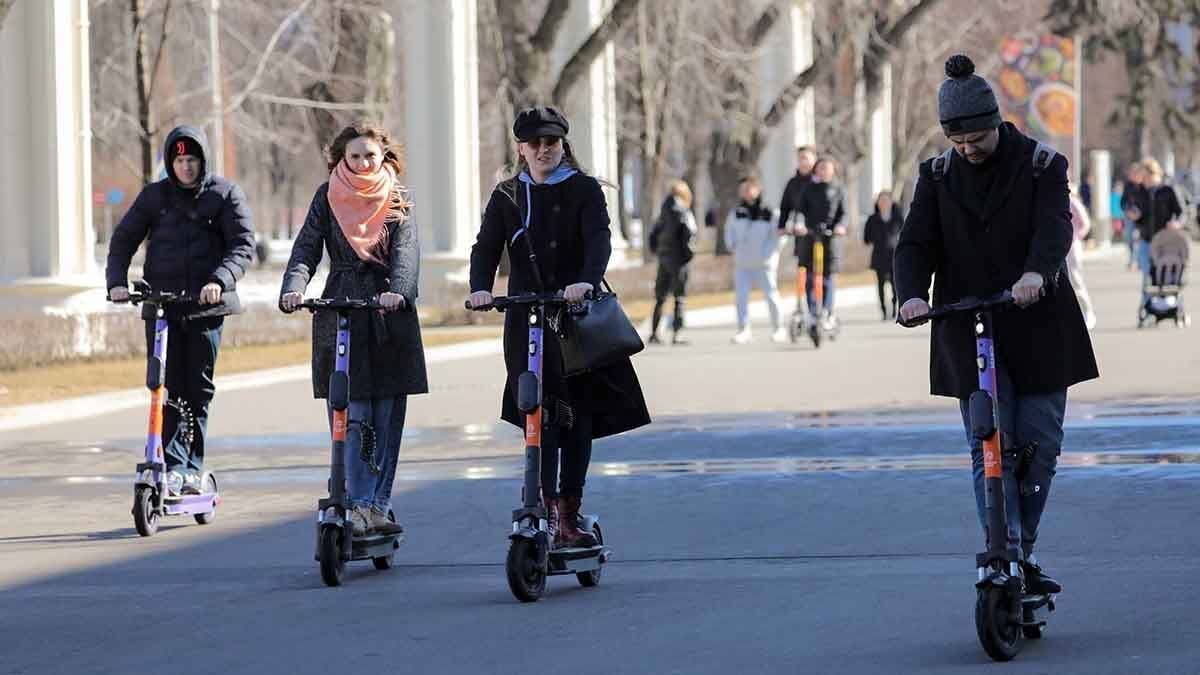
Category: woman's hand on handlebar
[839,231]
[479,299]
[577,292]
[118,294]
[391,301]
[913,309]
[288,302]
[1028,289]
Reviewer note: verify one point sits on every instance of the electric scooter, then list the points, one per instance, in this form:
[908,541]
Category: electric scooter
[336,543]
[820,326]
[531,553]
[151,499]
[1004,612]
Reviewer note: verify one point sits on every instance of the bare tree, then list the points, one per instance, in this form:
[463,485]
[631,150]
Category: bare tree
[5,5]
[1137,30]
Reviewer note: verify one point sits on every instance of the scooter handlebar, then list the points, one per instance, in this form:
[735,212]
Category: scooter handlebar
[142,292]
[342,304]
[502,302]
[1002,299]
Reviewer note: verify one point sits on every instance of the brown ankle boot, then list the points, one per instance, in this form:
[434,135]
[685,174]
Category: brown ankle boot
[552,518]
[569,533]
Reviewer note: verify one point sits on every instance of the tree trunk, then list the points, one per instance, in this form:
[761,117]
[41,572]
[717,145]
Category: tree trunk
[137,10]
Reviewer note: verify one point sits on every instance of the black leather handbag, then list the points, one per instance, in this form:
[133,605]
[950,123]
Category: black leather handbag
[596,333]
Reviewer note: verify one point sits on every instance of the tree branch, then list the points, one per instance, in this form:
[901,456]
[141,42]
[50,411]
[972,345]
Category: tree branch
[264,59]
[548,29]
[162,40]
[583,57]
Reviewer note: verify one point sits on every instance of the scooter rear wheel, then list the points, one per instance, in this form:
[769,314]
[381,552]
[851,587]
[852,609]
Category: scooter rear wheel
[332,564]
[592,577]
[526,578]
[1000,637]
[208,486]
[386,562]
[145,518]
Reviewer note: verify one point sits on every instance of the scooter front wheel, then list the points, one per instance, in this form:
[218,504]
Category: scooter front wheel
[332,564]
[999,635]
[145,518]
[526,578]
[592,577]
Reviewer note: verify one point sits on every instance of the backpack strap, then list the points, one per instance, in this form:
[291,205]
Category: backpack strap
[941,163]
[1043,155]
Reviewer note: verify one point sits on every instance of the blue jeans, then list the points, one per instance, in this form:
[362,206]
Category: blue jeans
[744,281]
[826,294]
[1033,418]
[1143,260]
[385,417]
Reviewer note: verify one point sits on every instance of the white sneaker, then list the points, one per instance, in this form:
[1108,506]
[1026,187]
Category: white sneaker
[742,337]
[780,335]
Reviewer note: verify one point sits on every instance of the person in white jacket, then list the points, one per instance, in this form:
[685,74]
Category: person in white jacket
[1081,225]
[751,235]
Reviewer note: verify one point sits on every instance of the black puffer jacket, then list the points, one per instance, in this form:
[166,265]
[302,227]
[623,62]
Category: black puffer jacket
[671,238]
[195,236]
[823,206]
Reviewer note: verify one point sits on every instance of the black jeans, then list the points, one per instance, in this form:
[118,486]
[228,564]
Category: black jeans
[575,455]
[671,280]
[881,279]
[192,347]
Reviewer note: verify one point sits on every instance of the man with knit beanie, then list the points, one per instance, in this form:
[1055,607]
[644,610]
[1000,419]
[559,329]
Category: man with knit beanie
[991,214]
[199,241]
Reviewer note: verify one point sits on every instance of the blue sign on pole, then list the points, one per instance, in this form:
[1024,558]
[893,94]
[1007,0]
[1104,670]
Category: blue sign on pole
[115,197]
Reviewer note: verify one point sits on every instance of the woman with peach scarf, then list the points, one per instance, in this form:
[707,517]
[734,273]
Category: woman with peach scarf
[360,218]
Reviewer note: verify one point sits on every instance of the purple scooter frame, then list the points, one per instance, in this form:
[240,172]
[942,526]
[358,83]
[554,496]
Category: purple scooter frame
[151,500]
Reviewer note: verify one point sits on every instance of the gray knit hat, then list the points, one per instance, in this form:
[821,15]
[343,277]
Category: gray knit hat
[966,102]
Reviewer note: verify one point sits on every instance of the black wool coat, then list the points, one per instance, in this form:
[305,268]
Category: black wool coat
[883,234]
[569,233]
[1024,225]
[193,237]
[387,358]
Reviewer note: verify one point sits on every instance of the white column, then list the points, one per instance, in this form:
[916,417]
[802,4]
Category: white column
[788,52]
[45,128]
[591,106]
[1101,173]
[441,91]
[878,173]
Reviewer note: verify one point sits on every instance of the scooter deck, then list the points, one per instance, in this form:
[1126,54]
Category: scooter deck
[575,560]
[375,546]
[191,504]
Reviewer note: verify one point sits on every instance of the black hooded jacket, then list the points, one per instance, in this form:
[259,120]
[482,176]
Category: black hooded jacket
[194,236]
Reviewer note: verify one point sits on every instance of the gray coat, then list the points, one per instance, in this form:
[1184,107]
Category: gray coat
[386,355]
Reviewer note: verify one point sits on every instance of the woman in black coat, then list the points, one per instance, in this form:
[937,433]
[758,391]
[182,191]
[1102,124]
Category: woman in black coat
[553,206]
[360,217]
[882,232]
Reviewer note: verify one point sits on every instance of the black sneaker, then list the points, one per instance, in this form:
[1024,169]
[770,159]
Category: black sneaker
[1037,582]
[654,339]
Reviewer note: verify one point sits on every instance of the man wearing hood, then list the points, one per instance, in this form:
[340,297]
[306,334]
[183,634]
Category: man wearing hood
[992,214]
[199,241]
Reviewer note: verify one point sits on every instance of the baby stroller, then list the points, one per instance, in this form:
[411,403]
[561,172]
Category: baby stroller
[1163,289]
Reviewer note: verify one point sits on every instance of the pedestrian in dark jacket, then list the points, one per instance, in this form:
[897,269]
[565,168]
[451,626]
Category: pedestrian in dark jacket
[985,219]
[1160,209]
[200,240]
[671,241]
[554,207]
[360,218]
[881,233]
[821,217]
[806,159]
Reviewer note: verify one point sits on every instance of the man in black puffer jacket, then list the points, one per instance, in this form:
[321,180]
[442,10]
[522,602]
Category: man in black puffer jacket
[200,241]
